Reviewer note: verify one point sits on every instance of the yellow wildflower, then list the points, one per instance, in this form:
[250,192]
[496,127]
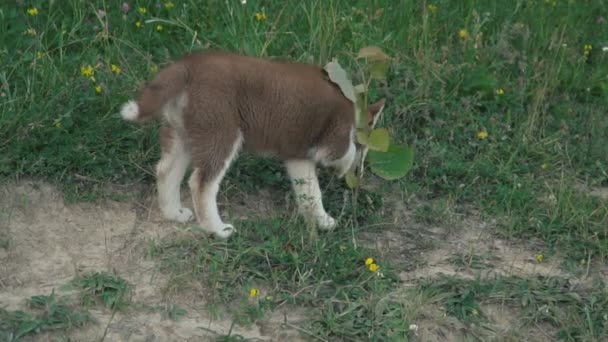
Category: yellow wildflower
[432,8]
[463,34]
[587,49]
[373,267]
[87,71]
[253,292]
[98,89]
[482,135]
[260,16]
[138,24]
[142,10]
[32,11]
[369,261]
[540,258]
[500,91]
[115,69]
[169,5]
[159,28]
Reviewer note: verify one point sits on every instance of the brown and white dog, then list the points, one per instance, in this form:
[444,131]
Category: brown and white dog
[214,104]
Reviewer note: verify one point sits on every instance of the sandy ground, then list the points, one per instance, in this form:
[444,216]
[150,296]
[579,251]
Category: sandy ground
[48,242]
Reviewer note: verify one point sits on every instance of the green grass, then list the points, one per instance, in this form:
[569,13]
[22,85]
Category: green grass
[111,290]
[47,313]
[546,136]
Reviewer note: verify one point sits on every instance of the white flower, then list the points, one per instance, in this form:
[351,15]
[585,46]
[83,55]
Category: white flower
[605,49]
[243,2]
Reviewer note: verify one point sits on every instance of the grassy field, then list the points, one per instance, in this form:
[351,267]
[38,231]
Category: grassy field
[504,103]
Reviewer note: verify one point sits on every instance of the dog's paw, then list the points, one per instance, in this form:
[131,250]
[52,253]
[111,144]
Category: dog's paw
[326,222]
[181,215]
[225,232]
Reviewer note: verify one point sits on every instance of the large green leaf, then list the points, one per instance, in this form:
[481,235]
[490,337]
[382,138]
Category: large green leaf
[378,140]
[352,180]
[372,53]
[379,69]
[393,164]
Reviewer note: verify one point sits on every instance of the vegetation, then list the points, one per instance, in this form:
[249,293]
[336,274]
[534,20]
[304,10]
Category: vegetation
[503,103]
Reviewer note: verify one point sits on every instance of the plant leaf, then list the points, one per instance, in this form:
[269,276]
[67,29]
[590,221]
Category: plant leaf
[372,53]
[379,140]
[379,69]
[362,138]
[393,164]
[339,76]
[351,179]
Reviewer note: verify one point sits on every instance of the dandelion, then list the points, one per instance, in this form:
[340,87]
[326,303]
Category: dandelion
[260,16]
[432,8]
[98,89]
[540,258]
[125,7]
[87,71]
[500,91]
[369,261]
[138,24]
[482,135]
[142,10]
[463,34]
[253,292]
[373,267]
[32,11]
[169,5]
[159,28]
[115,69]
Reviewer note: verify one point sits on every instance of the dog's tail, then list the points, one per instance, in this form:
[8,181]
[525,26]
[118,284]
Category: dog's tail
[167,85]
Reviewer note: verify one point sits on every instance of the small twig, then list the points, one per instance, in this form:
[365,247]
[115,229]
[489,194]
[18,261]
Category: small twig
[105,332]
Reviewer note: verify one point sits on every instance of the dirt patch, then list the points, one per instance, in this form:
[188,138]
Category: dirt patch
[46,243]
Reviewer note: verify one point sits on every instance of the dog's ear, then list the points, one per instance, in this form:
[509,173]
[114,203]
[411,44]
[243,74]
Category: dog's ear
[373,112]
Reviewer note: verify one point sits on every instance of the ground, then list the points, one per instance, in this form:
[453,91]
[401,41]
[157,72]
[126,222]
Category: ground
[51,242]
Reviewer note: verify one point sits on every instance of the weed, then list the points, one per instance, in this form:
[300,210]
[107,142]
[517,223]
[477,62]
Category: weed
[113,291]
[49,313]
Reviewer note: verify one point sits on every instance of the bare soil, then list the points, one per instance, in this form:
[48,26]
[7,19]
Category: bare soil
[45,243]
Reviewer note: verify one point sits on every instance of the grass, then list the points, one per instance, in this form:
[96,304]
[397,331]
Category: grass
[47,313]
[62,314]
[530,76]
